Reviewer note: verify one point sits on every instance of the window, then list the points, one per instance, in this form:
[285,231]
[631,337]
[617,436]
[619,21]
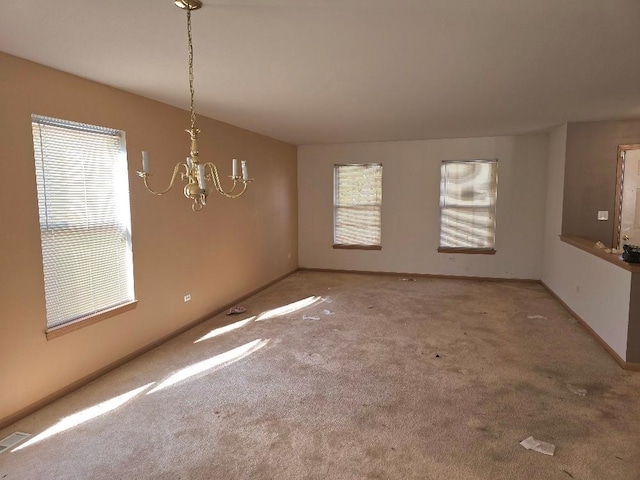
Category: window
[85,225]
[357,206]
[468,191]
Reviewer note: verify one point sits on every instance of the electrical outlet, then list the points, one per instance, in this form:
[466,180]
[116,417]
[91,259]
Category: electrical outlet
[603,215]
[187,297]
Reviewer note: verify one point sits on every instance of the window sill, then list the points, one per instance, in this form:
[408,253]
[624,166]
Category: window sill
[69,327]
[468,251]
[356,247]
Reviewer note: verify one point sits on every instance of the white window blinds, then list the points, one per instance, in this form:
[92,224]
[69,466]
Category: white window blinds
[85,226]
[357,204]
[468,192]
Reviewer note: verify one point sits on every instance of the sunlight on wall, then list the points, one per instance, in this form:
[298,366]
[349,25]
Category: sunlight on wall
[216,362]
[85,415]
[228,328]
[290,308]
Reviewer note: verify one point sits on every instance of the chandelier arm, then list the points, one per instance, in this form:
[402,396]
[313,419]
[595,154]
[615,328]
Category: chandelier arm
[216,181]
[213,173]
[235,195]
[145,177]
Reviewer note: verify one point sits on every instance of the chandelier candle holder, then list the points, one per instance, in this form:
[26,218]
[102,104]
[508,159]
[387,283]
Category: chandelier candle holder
[198,176]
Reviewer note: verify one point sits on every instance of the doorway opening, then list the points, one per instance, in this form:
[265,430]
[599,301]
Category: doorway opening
[627,210]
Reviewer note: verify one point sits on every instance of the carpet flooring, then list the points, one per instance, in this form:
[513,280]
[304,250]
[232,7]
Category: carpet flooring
[353,376]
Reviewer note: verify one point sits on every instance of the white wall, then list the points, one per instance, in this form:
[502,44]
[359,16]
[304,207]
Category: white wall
[410,206]
[595,289]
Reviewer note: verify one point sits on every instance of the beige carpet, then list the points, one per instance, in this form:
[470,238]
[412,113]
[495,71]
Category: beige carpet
[379,378]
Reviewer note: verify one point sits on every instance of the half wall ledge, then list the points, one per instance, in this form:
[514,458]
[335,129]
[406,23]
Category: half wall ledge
[632,360]
[588,246]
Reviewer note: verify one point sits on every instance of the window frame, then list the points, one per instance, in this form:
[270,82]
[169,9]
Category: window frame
[336,207]
[490,250]
[65,225]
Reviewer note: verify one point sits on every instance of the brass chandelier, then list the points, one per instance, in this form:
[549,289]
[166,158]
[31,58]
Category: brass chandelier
[199,176]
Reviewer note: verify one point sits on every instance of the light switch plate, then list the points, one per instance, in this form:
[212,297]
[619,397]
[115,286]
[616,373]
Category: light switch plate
[603,215]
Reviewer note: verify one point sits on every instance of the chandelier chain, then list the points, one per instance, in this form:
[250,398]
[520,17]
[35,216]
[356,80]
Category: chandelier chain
[191,90]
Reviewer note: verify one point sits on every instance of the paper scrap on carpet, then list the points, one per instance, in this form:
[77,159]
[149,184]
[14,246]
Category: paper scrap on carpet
[538,446]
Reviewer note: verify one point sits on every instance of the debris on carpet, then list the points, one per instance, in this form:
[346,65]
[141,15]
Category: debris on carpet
[581,392]
[538,446]
[236,310]
[407,279]
[310,317]
[536,317]
[327,312]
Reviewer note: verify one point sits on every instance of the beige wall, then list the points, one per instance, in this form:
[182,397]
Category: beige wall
[590,176]
[218,255]
[410,206]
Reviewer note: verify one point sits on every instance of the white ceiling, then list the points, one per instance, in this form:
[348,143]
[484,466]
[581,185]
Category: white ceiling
[334,71]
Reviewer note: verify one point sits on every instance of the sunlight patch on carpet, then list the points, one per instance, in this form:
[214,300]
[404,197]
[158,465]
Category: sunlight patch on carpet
[85,415]
[225,329]
[219,361]
[290,308]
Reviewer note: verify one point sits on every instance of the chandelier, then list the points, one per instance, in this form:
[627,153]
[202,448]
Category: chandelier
[198,176]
